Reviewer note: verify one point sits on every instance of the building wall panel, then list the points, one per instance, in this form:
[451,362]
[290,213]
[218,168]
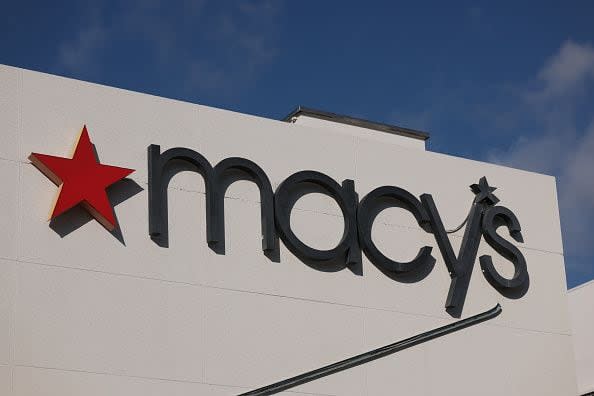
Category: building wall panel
[84,310]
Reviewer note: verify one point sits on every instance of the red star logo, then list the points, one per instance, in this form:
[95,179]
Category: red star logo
[82,180]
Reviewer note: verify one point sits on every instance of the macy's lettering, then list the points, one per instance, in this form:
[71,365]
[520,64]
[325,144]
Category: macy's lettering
[483,220]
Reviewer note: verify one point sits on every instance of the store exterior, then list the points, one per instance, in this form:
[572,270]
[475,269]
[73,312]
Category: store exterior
[297,244]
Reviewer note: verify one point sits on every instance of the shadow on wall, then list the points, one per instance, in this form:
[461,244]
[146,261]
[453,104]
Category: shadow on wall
[76,217]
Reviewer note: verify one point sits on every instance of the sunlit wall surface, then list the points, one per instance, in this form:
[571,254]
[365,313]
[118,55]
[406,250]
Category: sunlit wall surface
[87,312]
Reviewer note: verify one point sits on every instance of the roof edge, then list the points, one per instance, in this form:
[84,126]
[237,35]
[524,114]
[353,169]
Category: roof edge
[582,285]
[359,122]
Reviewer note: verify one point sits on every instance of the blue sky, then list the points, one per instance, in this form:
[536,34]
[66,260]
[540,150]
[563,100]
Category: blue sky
[494,81]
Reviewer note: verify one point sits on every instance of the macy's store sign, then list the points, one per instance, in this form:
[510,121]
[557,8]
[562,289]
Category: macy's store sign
[82,180]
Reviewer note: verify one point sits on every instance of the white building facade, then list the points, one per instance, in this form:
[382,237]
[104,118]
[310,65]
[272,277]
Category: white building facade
[581,308]
[86,311]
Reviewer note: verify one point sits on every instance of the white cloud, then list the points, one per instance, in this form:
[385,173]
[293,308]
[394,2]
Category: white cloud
[566,72]
[82,50]
[245,36]
[571,160]
[78,54]
[563,148]
[209,46]
[576,196]
[543,154]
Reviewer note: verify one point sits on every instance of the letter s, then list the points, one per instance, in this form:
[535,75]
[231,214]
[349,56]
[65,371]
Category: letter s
[492,219]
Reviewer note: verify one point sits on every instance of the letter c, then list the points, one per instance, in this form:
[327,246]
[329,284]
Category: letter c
[368,211]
